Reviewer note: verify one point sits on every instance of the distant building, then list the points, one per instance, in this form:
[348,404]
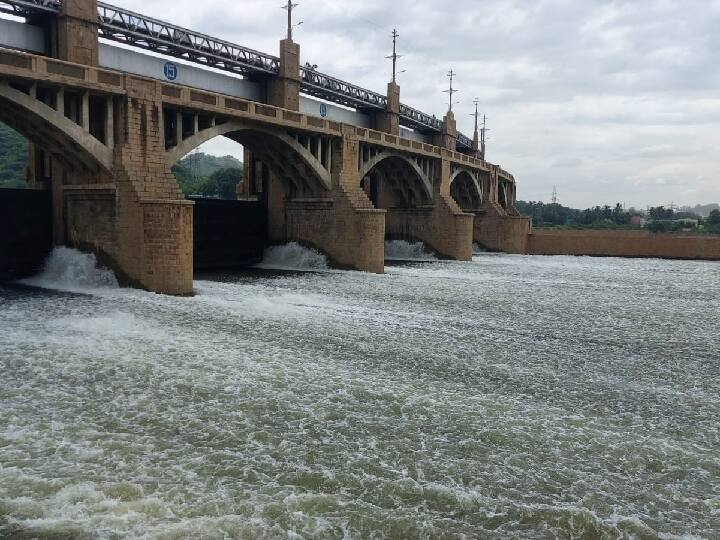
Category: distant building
[638,221]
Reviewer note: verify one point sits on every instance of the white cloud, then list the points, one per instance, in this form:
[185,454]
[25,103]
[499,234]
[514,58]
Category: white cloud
[610,101]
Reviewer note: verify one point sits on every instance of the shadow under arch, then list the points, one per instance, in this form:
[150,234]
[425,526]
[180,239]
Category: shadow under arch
[393,181]
[51,131]
[284,155]
[466,190]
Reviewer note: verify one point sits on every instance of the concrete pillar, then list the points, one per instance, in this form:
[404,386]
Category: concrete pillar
[76,32]
[58,218]
[110,122]
[60,101]
[284,90]
[447,138]
[178,127]
[85,111]
[389,119]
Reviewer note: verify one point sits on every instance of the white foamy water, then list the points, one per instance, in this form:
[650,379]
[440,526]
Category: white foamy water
[510,397]
[400,250]
[70,270]
[293,256]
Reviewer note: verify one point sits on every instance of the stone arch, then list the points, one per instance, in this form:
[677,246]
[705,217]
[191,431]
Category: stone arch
[465,189]
[396,181]
[50,130]
[503,199]
[267,144]
[376,163]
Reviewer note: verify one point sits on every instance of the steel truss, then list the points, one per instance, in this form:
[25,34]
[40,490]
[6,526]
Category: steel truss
[124,26]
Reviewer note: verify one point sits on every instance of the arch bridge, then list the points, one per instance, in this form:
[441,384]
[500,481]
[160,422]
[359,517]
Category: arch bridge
[104,141]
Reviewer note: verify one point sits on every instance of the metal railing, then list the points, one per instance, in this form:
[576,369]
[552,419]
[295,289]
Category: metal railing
[345,93]
[24,8]
[133,29]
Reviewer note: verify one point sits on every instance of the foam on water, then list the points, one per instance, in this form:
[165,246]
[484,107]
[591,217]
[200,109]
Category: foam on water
[400,250]
[71,270]
[293,256]
[510,397]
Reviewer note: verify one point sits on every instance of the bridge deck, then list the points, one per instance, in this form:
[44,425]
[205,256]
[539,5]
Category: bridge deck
[23,66]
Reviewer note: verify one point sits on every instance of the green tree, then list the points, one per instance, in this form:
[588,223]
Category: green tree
[660,213]
[714,217]
[222,183]
[13,158]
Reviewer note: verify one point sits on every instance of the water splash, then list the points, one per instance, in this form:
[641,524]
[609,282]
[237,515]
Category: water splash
[400,250]
[293,256]
[71,270]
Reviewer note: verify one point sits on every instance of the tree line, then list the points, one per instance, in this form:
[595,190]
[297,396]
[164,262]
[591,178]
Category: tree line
[658,219]
[209,176]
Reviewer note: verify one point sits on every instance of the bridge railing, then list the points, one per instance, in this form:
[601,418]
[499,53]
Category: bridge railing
[125,26]
[138,30]
[23,8]
[321,85]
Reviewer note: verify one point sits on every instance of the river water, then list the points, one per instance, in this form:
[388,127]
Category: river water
[511,397]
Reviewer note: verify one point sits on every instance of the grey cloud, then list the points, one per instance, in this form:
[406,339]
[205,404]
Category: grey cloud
[600,97]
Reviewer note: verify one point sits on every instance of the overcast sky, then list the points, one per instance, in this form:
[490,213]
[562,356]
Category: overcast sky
[610,101]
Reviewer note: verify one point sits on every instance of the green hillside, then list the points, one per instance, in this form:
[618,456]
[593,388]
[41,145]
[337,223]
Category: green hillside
[13,158]
[209,176]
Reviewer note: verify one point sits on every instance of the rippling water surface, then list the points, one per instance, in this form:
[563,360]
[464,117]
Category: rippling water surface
[510,397]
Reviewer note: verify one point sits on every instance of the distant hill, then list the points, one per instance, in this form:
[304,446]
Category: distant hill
[13,158]
[701,209]
[210,176]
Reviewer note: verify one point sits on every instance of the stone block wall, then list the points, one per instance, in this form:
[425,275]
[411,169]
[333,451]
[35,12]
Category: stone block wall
[443,228]
[168,246]
[496,231]
[624,244]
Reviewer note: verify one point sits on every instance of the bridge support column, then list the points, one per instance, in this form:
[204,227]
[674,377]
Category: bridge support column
[447,138]
[496,228]
[443,227]
[134,217]
[56,186]
[389,119]
[496,231]
[284,90]
[341,222]
[76,33]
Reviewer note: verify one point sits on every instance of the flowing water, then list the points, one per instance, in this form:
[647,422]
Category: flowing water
[511,397]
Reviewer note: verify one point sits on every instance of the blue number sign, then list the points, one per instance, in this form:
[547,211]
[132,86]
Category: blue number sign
[323,110]
[171,71]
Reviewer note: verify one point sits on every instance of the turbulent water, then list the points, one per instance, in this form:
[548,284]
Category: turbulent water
[399,250]
[510,397]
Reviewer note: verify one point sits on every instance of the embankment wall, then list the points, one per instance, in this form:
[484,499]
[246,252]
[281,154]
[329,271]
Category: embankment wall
[624,244]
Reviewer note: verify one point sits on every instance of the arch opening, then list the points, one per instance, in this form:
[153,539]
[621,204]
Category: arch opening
[503,194]
[238,217]
[301,162]
[394,182]
[25,209]
[466,191]
[33,112]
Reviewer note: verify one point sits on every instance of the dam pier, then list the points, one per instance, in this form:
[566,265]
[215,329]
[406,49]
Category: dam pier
[332,165]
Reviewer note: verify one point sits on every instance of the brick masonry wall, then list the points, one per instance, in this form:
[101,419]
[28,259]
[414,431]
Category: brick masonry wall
[339,222]
[624,244]
[140,224]
[444,230]
[496,231]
